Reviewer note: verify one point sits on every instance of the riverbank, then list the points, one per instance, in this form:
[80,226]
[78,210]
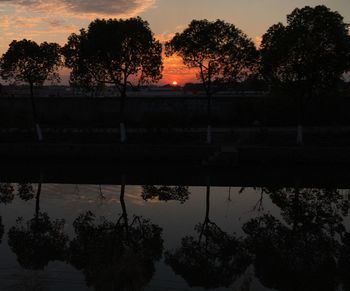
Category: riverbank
[203,155]
[171,112]
[109,172]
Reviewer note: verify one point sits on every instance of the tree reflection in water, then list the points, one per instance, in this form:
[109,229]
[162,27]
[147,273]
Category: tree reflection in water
[39,240]
[302,251]
[116,255]
[25,191]
[214,259]
[306,247]
[7,195]
[165,193]
[344,262]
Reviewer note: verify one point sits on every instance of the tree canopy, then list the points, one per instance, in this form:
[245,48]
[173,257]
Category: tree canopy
[214,259]
[115,255]
[311,52]
[27,61]
[165,193]
[114,52]
[38,241]
[221,52]
[302,250]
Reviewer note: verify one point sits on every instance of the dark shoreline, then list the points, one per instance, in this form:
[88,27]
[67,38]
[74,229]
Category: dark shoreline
[319,167]
[226,155]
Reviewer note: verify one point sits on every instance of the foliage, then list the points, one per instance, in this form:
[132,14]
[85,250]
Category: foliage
[114,52]
[25,191]
[165,193]
[310,53]
[312,208]
[38,242]
[6,193]
[115,256]
[302,251]
[213,262]
[286,259]
[2,229]
[216,259]
[26,61]
[222,53]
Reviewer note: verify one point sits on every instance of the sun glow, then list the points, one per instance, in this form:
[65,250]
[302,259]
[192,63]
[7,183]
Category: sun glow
[174,83]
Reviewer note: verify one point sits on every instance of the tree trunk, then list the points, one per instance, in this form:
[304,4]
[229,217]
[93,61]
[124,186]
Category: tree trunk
[207,205]
[35,116]
[300,129]
[206,218]
[125,214]
[37,202]
[209,130]
[296,209]
[300,135]
[122,202]
[123,137]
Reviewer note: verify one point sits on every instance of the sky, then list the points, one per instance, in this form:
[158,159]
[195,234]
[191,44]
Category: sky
[55,20]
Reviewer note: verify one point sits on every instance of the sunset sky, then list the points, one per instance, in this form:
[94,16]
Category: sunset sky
[54,20]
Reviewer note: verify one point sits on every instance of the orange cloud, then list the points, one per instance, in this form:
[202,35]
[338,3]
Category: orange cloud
[42,20]
[52,28]
[175,70]
[164,37]
[258,40]
[35,28]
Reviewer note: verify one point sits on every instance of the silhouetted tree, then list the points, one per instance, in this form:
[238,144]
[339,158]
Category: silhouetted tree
[39,240]
[222,53]
[116,255]
[302,251]
[307,55]
[115,52]
[213,260]
[165,193]
[26,61]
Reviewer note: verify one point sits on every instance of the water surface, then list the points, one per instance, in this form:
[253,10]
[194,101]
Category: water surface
[173,237]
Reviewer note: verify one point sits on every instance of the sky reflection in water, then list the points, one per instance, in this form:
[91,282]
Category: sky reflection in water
[215,238]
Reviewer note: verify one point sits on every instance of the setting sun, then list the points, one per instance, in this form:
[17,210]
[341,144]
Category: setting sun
[174,83]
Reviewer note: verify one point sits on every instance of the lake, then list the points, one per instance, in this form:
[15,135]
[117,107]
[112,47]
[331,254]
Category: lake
[60,232]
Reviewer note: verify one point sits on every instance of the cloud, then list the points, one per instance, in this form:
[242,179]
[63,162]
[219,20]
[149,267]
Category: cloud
[175,70]
[38,28]
[258,40]
[164,37]
[47,25]
[83,8]
[54,20]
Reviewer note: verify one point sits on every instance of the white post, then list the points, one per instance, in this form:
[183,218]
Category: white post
[300,137]
[39,132]
[209,134]
[122,132]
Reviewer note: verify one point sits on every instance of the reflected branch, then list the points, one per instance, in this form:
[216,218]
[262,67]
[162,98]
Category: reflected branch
[115,255]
